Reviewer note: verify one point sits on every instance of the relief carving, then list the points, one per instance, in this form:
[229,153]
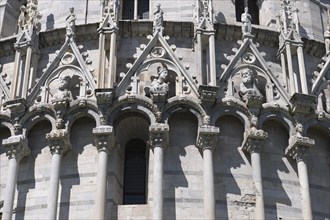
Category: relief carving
[63,89]
[160,84]
[248,86]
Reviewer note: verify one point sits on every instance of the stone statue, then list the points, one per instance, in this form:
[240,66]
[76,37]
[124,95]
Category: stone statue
[248,87]
[70,23]
[160,85]
[327,40]
[246,20]
[299,130]
[21,18]
[158,18]
[63,89]
[295,20]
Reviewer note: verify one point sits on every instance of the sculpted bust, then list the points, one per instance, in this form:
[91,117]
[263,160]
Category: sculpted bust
[63,89]
[246,20]
[160,85]
[248,87]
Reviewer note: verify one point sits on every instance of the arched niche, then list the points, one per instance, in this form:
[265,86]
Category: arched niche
[4,134]
[81,133]
[76,83]
[36,136]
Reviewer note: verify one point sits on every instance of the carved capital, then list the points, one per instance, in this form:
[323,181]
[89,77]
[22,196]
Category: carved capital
[158,135]
[58,141]
[17,107]
[16,147]
[207,137]
[208,93]
[302,103]
[60,104]
[103,138]
[104,96]
[298,147]
[253,140]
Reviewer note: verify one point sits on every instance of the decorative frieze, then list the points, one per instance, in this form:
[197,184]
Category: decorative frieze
[159,135]
[59,141]
[103,138]
[207,137]
[208,93]
[16,147]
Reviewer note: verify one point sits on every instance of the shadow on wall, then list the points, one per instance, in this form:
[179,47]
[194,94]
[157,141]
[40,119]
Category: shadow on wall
[183,133]
[4,134]
[228,160]
[50,22]
[28,174]
[276,169]
[80,136]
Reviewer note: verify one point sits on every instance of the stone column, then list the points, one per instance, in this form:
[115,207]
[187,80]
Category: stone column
[112,59]
[17,72]
[212,61]
[199,56]
[103,138]
[101,78]
[58,141]
[158,142]
[302,70]
[290,68]
[297,149]
[206,142]
[27,72]
[16,150]
[252,144]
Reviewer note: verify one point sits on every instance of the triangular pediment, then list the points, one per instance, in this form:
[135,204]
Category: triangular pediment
[248,56]
[158,51]
[69,61]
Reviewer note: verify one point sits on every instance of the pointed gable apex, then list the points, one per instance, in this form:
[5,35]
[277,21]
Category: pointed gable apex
[69,43]
[248,44]
[157,38]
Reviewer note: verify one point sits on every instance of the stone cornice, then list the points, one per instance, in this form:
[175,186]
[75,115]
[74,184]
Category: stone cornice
[16,147]
[59,141]
[104,138]
[207,137]
[159,135]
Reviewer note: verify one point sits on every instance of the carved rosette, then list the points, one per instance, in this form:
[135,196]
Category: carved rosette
[159,135]
[58,141]
[298,147]
[104,138]
[253,139]
[16,147]
[207,137]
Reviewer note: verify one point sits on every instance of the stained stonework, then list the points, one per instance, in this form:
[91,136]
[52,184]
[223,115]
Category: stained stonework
[223,118]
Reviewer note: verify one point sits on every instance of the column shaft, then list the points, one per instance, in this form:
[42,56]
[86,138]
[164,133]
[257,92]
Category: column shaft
[158,182]
[209,200]
[112,60]
[284,71]
[101,188]
[290,68]
[199,49]
[257,179]
[304,190]
[135,9]
[54,186]
[302,71]
[101,79]
[10,189]
[212,61]
[26,75]
[17,68]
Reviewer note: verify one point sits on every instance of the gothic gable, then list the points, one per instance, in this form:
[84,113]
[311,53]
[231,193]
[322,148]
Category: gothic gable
[69,64]
[249,59]
[157,54]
